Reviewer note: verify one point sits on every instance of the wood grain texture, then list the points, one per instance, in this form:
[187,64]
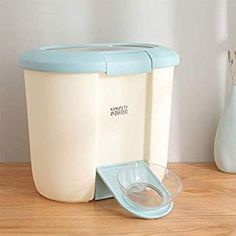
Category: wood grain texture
[207,206]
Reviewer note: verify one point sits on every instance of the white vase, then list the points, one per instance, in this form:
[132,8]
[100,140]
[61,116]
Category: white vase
[225,140]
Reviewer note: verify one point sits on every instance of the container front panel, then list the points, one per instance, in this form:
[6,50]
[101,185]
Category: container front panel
[121,103]
[133,117]
[62,129]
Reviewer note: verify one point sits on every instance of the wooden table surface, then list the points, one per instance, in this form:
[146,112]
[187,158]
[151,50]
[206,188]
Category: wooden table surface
[207,206]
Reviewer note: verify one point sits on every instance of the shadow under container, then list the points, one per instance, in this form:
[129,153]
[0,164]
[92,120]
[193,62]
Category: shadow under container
[95,105]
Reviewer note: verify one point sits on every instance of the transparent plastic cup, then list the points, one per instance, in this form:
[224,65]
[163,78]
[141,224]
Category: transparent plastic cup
[148,186]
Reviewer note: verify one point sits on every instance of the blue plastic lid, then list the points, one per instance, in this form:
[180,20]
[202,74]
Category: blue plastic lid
[113,59]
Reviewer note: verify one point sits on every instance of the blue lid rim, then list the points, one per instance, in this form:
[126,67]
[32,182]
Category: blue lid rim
[136,58]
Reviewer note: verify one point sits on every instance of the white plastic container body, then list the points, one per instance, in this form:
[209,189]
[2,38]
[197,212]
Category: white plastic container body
[80,121]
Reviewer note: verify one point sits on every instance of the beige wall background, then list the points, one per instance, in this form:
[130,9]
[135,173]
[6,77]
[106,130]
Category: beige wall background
[200,30]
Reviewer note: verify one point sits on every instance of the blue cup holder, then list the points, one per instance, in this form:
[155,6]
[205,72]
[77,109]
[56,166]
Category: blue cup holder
[144,189]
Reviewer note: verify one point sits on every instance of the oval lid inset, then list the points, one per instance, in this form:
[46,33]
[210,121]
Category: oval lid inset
[113,59]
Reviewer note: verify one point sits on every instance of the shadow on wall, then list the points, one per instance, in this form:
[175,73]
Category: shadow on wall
[200,36]
[133,21]
[108,21]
